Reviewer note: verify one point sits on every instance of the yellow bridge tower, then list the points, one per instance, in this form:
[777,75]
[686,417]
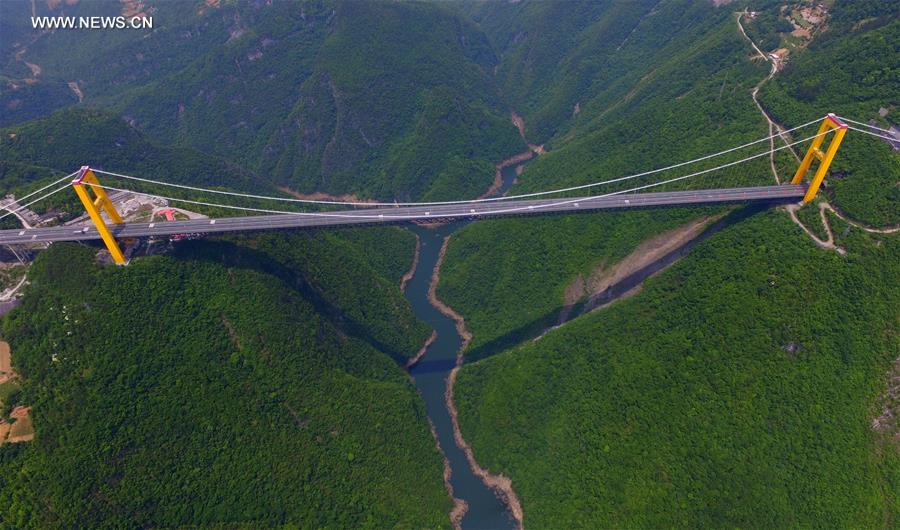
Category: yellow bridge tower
[85,180]
[831,122]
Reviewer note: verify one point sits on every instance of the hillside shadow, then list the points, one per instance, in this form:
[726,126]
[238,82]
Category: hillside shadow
[438,365]
[538,326]
[236,256]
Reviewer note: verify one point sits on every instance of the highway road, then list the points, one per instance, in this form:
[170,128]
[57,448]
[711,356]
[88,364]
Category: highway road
[382,215]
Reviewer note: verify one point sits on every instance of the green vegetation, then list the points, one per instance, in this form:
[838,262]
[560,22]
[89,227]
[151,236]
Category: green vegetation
[8,392]
[402,96]
[261,374]
[36,153]
[214,372]
[737,389]
[769,29]
[510,288]
[10,276]
[613,59]
[690,101]
[71,138]
[811,218]
[128,58]
[380,99]
[555,54]
[365,294]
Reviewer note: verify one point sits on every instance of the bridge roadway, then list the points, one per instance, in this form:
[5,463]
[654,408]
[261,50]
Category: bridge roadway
[384,215]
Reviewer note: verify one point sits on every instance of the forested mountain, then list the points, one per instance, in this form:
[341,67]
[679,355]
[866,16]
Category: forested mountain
[387,100]
[746,385]
[281,347]
[740,388]
[70,138]
[696,101]
[41,151]
[225,384]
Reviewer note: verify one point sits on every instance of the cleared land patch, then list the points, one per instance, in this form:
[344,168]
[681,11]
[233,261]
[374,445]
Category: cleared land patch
[21,427]
[22,430]
[5,360]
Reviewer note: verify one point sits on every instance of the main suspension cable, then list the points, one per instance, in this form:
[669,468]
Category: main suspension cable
[848,120]
[20,208]
[441,203]
[428,215]
[35,192]
[876,135]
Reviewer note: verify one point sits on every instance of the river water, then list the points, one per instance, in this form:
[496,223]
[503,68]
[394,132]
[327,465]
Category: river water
[485,509]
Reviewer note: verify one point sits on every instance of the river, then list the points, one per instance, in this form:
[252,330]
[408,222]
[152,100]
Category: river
[485,509]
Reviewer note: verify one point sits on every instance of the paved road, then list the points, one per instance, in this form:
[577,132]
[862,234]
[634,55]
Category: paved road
[775,194]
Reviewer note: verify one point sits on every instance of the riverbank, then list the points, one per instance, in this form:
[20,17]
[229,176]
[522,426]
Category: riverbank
[519,122]
[514,160]
[643,256]
[446,310]
[460,507]
[484,509]
[481,500]
[500,484]
[412,268]
[414,360]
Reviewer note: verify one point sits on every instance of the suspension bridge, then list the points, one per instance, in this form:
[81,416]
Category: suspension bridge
[112,228]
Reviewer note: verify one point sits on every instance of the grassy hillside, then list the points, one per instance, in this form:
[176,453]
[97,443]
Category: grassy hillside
[738,389]
[215,372]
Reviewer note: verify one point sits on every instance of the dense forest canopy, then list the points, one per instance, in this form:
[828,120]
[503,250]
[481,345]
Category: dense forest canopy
[738,389]
[216,372]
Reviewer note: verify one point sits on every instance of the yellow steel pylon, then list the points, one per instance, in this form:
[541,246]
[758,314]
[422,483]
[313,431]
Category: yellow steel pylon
[825,157]
[95,206]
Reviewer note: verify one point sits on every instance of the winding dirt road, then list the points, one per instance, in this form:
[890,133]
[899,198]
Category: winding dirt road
[773,126]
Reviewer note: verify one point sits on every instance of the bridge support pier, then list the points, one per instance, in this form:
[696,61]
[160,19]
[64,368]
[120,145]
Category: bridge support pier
[95,206]
[831,122]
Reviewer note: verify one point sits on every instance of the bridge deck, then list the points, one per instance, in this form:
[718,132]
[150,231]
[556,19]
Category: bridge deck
[784,193]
